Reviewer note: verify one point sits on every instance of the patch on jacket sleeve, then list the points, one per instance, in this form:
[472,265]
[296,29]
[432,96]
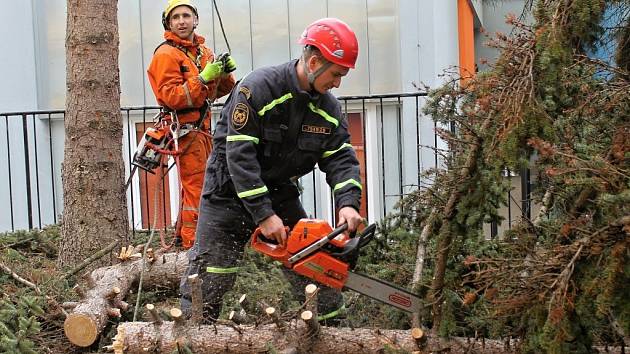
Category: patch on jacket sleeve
[239,116]
[245,91]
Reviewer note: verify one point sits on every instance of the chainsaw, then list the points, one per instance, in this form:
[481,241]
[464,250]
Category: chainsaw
[163,137]
[313,249]
[160,139]
[148,155]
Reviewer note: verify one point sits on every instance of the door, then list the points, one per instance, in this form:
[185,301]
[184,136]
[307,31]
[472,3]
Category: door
[355,127]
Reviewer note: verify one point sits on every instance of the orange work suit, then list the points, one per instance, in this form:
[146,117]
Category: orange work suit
[174,78]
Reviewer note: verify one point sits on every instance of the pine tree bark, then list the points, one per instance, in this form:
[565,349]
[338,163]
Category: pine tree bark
[147,337]
[95,212]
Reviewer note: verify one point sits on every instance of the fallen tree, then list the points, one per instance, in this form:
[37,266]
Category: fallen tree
[295,337]
[292,332]
[108,287]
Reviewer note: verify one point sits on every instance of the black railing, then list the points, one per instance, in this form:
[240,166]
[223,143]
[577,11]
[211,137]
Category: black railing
[30,178]
[21,139]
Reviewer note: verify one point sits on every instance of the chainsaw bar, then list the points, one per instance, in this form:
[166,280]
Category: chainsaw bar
[383,292]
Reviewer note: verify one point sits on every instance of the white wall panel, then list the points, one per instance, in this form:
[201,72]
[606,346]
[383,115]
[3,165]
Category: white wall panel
[130,59]
[494,21]
[299,19]
[409,44]
[206,19]
[152,34]
[18,67]
[392,161]
[50,51]
[270,32]
[354,13]
[384,52]
[237,23]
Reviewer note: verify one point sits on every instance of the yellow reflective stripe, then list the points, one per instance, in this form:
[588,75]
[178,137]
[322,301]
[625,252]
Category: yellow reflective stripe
[328,153]
[217,270]
[335,313]
[322,113]
[242,138]
[252,192]
[350,181]
[275,102]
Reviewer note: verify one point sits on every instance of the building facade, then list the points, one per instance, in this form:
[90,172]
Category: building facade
[404,45]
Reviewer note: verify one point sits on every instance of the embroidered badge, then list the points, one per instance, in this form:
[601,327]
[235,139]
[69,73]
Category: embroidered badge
[245,91]
[315,129]
[239,116]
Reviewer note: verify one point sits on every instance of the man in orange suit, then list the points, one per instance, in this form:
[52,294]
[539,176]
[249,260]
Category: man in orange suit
[186,78]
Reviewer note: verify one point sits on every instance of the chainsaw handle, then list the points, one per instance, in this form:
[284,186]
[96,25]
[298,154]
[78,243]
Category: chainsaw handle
[367,235]
[273,250]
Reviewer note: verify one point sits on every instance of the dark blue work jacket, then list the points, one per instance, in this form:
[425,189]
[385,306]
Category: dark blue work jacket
[272,132]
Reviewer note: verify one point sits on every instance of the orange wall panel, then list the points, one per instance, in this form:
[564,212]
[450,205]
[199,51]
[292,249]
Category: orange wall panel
[466,32]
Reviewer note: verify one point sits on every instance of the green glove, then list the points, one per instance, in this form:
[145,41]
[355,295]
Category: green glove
[211,71]
[230,64]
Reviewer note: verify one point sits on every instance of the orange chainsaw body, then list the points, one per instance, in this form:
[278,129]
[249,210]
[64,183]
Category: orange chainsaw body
[320,265]
[313,249]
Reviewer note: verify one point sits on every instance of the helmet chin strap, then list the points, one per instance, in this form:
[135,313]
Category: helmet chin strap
[311,76]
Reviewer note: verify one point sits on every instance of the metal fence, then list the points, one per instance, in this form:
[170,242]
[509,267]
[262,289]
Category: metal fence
[397,143]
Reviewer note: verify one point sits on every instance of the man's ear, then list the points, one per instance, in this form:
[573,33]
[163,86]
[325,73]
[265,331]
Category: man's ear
[313,63]
[196,22]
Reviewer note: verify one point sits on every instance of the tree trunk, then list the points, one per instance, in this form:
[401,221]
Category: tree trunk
[167,337]
[95,212]
[109,287]
[421,252]
[445,235]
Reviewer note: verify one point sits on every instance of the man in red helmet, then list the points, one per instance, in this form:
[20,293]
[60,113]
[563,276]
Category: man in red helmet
[185,78]
[277,124]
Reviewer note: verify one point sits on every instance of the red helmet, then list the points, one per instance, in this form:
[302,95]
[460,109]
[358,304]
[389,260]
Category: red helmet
[334,39]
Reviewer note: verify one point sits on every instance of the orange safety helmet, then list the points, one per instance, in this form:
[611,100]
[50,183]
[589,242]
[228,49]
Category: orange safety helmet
[334,39]
[173,4]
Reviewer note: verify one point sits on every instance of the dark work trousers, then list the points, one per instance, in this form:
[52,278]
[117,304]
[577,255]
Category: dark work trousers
[223,230]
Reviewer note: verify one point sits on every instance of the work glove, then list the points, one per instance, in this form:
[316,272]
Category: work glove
[229,64]
[211,72]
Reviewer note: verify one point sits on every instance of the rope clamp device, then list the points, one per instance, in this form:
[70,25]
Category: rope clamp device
[174,127]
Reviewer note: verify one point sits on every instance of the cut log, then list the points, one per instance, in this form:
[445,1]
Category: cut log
[178,316]
[311,322]
[155,317]
[146,337]
[242,301]
[197,300]
[419,336]
[111,285]
[271,313]
[310,292]
[238,317]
